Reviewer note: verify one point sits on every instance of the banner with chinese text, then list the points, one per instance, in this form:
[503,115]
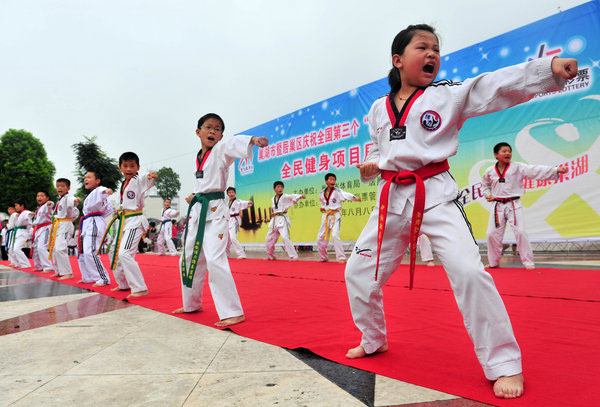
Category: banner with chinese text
[552,129]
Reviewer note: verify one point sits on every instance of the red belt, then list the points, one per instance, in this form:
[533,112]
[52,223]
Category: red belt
[407,178]
[504,200]
[36,227]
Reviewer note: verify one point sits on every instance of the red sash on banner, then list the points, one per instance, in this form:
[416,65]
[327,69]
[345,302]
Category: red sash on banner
[406,178]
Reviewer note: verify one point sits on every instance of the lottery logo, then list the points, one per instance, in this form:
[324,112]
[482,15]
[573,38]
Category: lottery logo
[431,120]
[130,194]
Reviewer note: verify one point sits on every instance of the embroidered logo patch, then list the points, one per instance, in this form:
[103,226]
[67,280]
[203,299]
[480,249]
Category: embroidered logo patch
[333,200]
[362,252]
[431,120]
[221,236]
[130,194]
[214,209]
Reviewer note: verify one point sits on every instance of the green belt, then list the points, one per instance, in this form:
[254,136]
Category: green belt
[121,215]
[187,276]
[14,235]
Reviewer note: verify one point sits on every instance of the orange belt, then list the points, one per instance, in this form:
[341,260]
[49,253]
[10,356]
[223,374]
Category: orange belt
[407,178]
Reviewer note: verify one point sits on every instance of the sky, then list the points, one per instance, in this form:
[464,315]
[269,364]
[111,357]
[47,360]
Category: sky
[137,75]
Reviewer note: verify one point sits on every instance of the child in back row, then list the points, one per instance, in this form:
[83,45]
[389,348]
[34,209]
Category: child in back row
[205,238]
[236,206]
[165,234]
[331,199]
[65,212]
[10,234]
[131,225]
[414,130]
[21,230]
[503,185]
[280,222]
[42,223]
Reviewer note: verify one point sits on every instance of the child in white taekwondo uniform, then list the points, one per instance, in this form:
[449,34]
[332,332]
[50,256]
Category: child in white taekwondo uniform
[425,250]
[414,130]
[130,226]
[92,225]
[165,235]
[42,223]
[280,222]
[236,206]
[205,237]
[503,185]
[10,234]
[62,229]
[331,199]
[22,231]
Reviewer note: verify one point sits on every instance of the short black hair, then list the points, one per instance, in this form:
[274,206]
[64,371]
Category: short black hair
[64,181]
[97,175]
[230,189]
[20,201]
[278,183]
[498,146]
[45,193]
[129,156]
[330,174]
[211,116]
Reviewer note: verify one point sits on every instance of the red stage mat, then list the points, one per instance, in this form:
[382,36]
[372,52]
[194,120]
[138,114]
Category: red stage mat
[555,315]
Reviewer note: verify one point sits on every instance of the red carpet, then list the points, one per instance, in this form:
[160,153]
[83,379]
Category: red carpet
[555,315]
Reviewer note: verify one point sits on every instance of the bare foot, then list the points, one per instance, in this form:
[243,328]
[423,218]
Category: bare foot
[138,294]
[359,351]
[294,259]
[509,387]
[487,266]
[430,263]
[55,275]
[323,261]
[271,258]
[231,321]
[343,261]
[47,271]
[529,267]
[117,288]
[99,285]
[66,277]
[182,311]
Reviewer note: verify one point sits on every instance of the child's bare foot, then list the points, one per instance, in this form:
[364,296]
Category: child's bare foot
[359,351]
[487,266]
[66,277]
[271,258]
[11,265]
[343,261]
[138,294]
[230,321]
[55,275]
[529,267]
[294,259]
[117,288]
[99,285]
[47,271]
[182,311]
[430,263]
[509,387]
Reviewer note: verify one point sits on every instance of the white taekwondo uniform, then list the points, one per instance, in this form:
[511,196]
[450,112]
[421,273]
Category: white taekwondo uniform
[211,178]
[62,230]
[280,225]
[10,236]
[92,225]
[23,229]
[42,223]
[126,270]
[425,248]
[508,208]
[165,235]
[331,222]
[431,136]
[235,219]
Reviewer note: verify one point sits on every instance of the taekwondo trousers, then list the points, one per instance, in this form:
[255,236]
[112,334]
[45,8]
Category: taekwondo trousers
[20,260]
[40,249]
[514,218]
[425,248]
[335,221]
[60,258]
[166,236]
[92,269]
[127,272]
[483,311]
[234,228]
[280,228]
[10,237]
[212,260]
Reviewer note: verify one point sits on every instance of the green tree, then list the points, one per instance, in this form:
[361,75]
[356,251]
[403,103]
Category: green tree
[167,183]
[90,157]
[24,169]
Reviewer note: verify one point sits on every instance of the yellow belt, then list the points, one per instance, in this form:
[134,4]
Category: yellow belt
[120,216]
[53,231]
[329,213]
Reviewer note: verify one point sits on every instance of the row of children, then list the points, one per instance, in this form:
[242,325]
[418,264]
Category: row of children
[414,131]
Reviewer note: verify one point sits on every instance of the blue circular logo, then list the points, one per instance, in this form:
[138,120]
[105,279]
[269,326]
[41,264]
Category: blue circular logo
[431,120]
[130,194]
